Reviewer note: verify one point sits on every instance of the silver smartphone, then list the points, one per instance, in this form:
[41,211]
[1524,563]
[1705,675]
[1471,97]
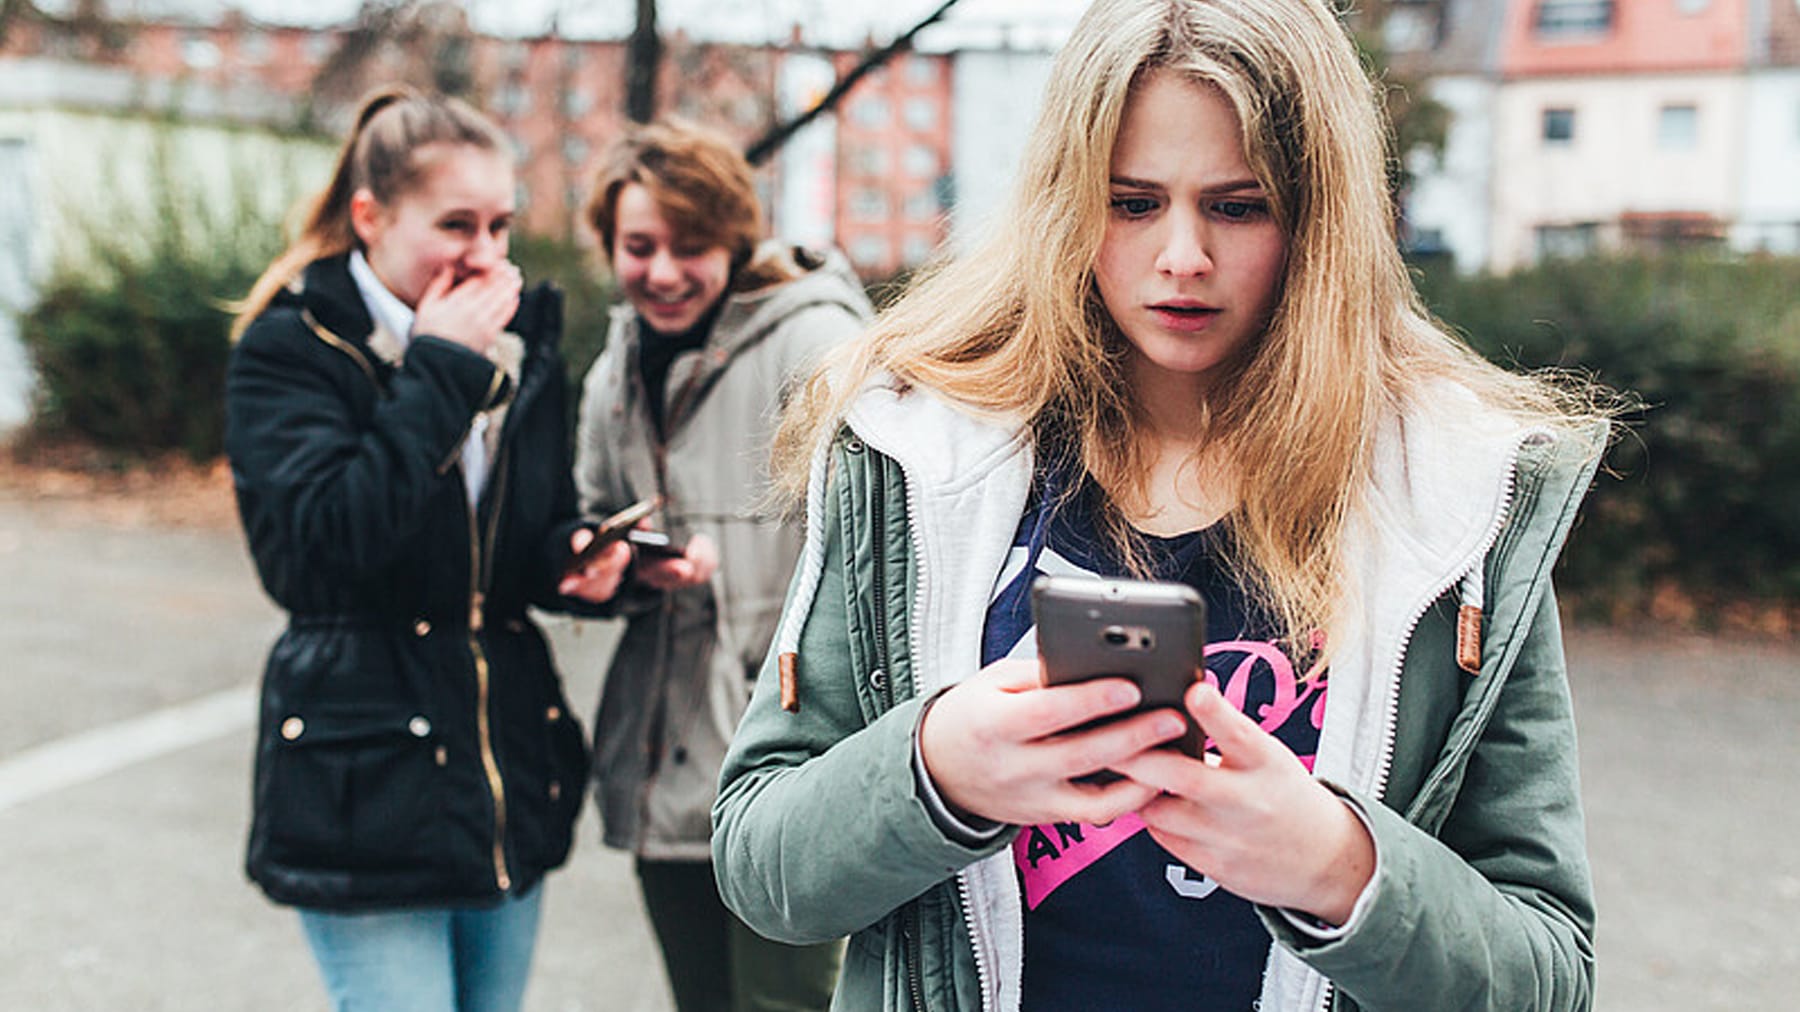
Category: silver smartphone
[1151,632]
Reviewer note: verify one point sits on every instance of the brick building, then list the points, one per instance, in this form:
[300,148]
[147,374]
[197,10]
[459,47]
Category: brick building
[561,100]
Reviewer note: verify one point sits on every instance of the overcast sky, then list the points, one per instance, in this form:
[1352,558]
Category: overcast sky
[1028,23]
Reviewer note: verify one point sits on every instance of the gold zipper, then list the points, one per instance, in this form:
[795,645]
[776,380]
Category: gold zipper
[483,724]
[324,334]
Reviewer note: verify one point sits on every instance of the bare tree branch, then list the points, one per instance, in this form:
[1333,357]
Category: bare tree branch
[772,141]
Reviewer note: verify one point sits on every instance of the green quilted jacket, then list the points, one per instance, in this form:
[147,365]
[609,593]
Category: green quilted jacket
[1481,897]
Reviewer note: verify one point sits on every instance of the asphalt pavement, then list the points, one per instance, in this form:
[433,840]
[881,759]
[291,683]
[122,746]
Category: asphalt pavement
[128,657]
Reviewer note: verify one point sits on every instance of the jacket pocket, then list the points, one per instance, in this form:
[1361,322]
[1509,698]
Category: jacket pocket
[549,797]
[353,789]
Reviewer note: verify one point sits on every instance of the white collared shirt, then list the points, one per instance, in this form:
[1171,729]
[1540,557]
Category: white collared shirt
[397,318]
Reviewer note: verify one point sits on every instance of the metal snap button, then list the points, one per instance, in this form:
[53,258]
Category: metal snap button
[878,679]
[422,628]
[553,714]
[419,726]
[292,728]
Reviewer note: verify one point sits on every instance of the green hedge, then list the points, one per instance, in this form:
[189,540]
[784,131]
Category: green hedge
[1704,488]
[134,362]
[130,349]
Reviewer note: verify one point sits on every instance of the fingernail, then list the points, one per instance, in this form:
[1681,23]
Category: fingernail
[1169,725]
[1122,695]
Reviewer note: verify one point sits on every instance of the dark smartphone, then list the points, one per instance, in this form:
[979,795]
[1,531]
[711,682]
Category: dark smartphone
[654,544]
[1151,632]
[612,529]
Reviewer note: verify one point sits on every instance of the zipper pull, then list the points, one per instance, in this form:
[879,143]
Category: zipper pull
[790,681]
[475,602]
[1468,623]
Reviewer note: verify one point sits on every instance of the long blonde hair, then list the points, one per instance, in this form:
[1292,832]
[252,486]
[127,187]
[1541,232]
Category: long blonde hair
[1016,326]
[385,154]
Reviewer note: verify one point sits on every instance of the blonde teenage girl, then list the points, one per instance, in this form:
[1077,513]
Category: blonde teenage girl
[396,430]
[1189,350]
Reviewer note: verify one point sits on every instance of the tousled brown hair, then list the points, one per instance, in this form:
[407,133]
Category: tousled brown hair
[702,186]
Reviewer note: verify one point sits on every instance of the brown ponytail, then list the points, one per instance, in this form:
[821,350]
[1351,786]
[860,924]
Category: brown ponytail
[381,154]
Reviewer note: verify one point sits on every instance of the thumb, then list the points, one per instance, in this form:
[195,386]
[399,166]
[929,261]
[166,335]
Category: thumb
[1238,739]
[1013,674]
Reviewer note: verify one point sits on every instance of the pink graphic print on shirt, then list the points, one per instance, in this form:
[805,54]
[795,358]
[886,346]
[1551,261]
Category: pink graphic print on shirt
[1049,855]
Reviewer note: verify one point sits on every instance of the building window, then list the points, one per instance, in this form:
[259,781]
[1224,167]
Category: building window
[870,113]
[1573,17]
[1692,6]
[1554,241]
[256,47]
[921,113]
[200,52]
[575,150]
[867,204]
[922,205]
[871,251]
[512,99]
[1559,127]
[577,102]
[869,161]
[921,72]
[1678,128]
[920,160]
[916,250]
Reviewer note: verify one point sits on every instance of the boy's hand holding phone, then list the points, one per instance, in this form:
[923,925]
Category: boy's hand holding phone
[667,567]
[600,557]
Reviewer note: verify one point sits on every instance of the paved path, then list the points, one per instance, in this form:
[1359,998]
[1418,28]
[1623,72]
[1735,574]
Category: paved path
[125,710]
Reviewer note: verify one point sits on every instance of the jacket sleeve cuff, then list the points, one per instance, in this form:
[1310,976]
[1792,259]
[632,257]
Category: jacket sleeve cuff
[1313,928]
[973,832]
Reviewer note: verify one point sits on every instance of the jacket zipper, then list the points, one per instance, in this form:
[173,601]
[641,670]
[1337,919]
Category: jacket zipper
[1391,718]
[911,921]
[665,619]
[479,552]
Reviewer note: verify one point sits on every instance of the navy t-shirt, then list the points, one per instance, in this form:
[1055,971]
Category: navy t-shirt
[1111,919]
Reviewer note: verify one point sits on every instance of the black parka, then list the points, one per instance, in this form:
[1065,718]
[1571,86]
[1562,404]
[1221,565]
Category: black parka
[415,747]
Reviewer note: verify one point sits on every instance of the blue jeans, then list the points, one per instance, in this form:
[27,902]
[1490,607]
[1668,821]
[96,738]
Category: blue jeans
[433,960]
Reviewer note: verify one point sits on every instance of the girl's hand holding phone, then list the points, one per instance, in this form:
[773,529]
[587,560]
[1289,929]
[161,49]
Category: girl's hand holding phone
[1252,818]
[471,312]
[1002,746]
[599,576]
